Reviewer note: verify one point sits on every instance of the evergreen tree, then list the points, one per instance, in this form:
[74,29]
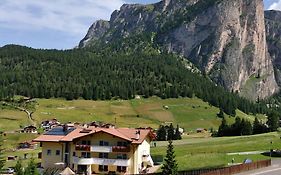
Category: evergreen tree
[19,168]
[236,128]
[2,158]
[31,168]
[246,127]
[258,127]
[273,121]
[170,166]
[171,132]
[220,114]
[161,133]
[223,128]
[177,134]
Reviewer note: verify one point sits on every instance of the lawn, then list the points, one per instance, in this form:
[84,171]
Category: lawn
[10,143]
[192,153]
[189,113]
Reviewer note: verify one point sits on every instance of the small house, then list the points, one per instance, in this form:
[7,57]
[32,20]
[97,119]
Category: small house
[27,145]
[29,129]
[201,130]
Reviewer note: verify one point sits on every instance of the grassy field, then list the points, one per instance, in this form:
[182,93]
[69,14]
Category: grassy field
[189,113]
[10,143]
[193,153]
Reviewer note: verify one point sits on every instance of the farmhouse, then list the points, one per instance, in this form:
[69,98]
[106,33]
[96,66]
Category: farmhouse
[49,124]
[91,150]
[29,129]
[27,145]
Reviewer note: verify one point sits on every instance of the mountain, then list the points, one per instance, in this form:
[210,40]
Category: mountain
[224,39]
[273,32]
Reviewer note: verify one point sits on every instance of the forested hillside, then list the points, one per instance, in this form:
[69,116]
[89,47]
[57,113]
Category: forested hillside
[94,74]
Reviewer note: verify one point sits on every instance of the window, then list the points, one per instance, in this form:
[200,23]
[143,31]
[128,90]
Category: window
[121,169]
[74,154]
[103,155]
[57,152]
[49,152]
[121,156]
[86,142]
[86,155]
[122,144]
[103,168]
[104,143]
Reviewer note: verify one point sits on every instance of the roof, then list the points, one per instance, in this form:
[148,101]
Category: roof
[67,171]
[127,134]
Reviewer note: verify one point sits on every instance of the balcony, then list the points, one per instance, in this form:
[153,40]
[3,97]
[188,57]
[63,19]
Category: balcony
[101,149]
[100,161]
[82,161]
[120,149]
[82,147]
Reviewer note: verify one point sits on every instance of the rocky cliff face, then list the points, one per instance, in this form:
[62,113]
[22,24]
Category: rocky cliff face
[273,33]
[225,39]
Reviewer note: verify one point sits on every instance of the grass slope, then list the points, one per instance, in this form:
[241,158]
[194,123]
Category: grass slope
[193,153]
[189,113]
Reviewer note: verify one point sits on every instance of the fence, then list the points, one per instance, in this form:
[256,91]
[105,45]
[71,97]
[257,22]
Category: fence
[227,170]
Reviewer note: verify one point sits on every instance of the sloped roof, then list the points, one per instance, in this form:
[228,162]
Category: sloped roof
[127,134]
[67,171]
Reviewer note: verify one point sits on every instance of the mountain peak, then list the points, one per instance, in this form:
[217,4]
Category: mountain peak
[225,39]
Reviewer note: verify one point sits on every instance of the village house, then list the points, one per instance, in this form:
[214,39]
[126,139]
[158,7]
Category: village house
[49,124]
[94,150]
[29,129]
[27,145]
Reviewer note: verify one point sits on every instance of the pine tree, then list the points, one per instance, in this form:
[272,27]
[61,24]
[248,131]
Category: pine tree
[177,134]
[19,168]
[170,166]
[220,114]
[258,127]
[161,133]
[223,128]
[31,168]
[171,132]
[246,127]
[273,121]
[2,159]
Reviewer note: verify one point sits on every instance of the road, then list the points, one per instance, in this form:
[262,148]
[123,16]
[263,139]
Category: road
[274,169]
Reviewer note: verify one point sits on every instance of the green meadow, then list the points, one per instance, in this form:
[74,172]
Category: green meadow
[194,151]
[189,113]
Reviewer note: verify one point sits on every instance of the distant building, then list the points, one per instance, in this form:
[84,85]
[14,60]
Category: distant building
[29,129]
[101,125]
[201,130]
[27,145]
[94,150]
[49,124]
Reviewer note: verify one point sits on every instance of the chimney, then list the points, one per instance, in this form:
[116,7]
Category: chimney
[65,127]
[137,134]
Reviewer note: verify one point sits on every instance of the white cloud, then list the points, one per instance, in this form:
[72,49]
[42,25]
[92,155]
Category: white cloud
[72,16]
[275,5]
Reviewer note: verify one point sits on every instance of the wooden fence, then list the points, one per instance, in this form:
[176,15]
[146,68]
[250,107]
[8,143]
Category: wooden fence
[226,170]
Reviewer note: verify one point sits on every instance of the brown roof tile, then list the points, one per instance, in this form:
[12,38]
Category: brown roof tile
[123,133]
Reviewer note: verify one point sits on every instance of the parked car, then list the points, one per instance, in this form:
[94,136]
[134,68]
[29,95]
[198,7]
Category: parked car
[8,171]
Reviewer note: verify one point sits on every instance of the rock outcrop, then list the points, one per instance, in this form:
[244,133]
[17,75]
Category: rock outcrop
[225,39]
[273,33]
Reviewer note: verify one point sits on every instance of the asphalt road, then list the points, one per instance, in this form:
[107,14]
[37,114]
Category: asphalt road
[274,169]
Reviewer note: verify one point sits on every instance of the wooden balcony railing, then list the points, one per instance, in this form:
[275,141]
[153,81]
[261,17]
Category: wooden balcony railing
[83,148]
[121,149]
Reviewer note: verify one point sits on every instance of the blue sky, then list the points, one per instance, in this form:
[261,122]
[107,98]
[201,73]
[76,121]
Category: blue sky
[59,24]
